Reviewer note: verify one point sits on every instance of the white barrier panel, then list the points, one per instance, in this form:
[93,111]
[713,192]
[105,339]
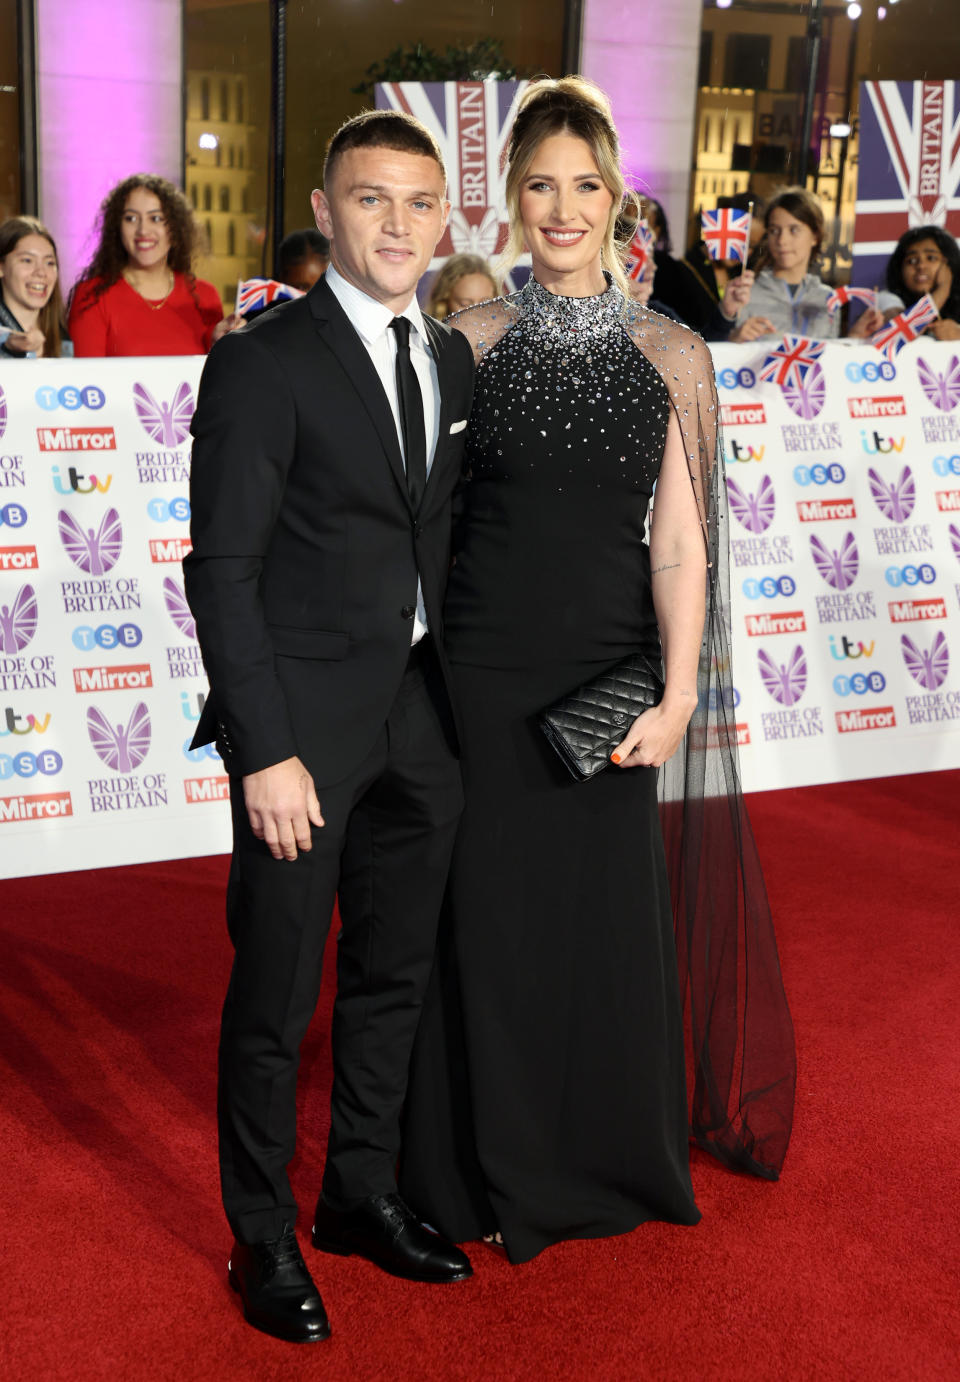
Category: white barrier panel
[844,498]
[845,574]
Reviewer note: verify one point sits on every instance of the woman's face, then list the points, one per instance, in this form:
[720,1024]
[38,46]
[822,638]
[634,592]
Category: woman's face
[565,209]
[470,289]
[143,230]
[790,242]
[29,274]
[921,265]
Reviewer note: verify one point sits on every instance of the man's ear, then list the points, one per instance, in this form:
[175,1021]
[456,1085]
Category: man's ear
[445,216]
[321,212]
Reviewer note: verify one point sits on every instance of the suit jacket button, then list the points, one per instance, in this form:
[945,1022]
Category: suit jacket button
[408,611]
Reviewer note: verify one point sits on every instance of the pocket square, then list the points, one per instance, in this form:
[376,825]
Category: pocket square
[457,426]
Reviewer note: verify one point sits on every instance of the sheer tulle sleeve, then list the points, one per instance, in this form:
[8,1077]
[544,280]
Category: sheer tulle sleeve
[739,1031]
[485,324]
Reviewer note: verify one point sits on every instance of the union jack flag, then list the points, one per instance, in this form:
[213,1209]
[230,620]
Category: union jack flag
[906,327]
[257,293]
[471,121]
[844,294]
[726,233]
[639,252]
[909,167]
[791,361]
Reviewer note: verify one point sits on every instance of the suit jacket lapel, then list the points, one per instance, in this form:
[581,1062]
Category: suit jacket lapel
[444,387]
[334,327]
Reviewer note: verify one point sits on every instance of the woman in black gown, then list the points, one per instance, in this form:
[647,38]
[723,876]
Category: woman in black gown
[548,1091]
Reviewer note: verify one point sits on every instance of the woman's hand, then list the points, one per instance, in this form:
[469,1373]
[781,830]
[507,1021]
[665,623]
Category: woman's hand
[737,294]
[655,735]
[944,329]
[27,340]
[228,324]
[752,329]
[867,323]
[942,285]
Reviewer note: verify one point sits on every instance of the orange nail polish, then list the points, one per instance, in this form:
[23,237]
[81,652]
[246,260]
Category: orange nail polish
[614,758]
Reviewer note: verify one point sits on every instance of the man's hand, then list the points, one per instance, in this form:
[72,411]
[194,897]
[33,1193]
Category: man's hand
[282,804]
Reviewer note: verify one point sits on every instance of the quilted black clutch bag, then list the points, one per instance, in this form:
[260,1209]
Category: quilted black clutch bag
[585,726]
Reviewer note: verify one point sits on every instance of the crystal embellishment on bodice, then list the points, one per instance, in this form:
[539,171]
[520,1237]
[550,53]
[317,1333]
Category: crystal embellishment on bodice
[577,323]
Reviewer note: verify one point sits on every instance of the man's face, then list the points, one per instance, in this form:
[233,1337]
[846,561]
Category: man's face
[383,211]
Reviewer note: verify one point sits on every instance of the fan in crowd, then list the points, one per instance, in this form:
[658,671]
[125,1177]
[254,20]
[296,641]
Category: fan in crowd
[464,280]
[708,295]
[139,294]
[31,307]
[302,258]
[789,295]
[926,260]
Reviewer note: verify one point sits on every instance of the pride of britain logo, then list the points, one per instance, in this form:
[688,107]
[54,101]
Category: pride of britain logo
[754,510]
[121,747]
[943,390]
[839,566]
[784,681]
[94,550]
[166,423]
[177,607]
[895,499]
[928,666]
[18,621]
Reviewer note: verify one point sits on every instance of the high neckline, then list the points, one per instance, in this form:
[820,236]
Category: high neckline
[572,311]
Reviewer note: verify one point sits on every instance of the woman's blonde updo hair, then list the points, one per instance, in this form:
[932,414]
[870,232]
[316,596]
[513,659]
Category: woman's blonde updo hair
[575,106]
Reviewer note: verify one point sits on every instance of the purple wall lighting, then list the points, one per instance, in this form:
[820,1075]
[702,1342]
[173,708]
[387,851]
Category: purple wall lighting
[109,79]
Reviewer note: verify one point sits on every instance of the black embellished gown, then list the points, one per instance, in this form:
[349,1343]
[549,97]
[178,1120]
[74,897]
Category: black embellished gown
[547,1096]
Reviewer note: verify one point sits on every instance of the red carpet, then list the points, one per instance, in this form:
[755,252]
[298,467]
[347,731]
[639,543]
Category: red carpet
[113,1244]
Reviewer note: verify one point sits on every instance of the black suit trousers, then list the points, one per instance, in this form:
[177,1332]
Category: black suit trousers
[385,848]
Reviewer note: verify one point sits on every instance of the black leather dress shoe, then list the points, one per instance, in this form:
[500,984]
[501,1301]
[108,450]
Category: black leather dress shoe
[277,1291]
[385,1231]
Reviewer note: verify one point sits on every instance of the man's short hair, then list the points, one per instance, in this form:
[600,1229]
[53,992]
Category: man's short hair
[382,129]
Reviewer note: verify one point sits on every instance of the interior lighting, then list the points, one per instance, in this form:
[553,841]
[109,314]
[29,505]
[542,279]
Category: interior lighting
[841,130]
[724,4]
[208,141]
[854,11]
[881,11]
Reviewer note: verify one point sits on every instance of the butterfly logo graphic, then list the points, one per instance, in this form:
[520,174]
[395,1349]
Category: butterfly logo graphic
[18,622]
[807,396]
[95,551]
[469,239]
[121,747]
[839,568]
[943,390]
[955,540]
[786,682]
[895,501]
[927,666]
[177,607]
[166,423]
[755,511]
[3,413]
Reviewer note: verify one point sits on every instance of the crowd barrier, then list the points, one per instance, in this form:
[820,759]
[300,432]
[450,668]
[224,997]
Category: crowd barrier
[844,497]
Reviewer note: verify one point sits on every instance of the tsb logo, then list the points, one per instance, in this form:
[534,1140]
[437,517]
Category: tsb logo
[871,372]
[860,684]
[50,399]
[736,378]
[833,474]
[768,588]
[910,575]
[13,515]
[106,636]
[48,762]
[947,465]
[162,510]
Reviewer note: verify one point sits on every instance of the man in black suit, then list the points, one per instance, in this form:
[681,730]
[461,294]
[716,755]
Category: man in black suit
[328,441]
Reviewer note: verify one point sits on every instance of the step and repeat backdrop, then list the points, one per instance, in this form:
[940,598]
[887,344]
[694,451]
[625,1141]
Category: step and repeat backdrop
[844,499]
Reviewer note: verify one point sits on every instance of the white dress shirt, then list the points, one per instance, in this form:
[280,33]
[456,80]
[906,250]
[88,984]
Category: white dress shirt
[371,321]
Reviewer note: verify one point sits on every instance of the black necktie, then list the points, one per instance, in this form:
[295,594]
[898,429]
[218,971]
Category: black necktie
[411,414]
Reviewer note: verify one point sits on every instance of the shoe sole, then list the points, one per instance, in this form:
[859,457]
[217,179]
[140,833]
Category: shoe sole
[338,1250]
[277,1333]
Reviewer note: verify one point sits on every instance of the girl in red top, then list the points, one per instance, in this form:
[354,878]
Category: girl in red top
[139,296]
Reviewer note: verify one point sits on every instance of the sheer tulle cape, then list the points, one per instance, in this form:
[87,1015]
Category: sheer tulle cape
[740,1044]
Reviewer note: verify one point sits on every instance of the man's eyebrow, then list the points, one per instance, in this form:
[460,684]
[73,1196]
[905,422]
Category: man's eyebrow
[379,187]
